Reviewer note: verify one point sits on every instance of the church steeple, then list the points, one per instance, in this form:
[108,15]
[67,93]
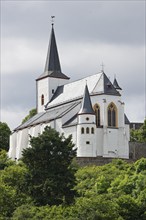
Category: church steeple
[52,77]
[52,61]
[86,107]
[52,66]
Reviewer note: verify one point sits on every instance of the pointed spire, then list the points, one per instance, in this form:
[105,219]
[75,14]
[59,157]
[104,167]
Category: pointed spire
[86,107]
[52,66]
[116,85]
[52,61]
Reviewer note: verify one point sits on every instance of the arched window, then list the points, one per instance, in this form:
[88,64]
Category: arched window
[97,112]
[82,130]
[92,130]
[87,130]
[42,99]
[112,115]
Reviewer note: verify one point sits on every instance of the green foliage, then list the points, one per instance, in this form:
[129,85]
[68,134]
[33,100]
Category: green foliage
[128,208]
[11,183]
[51,175]
[32,112]
[140,165]
[4,136]
[4,160]
[139,135]
[115,191]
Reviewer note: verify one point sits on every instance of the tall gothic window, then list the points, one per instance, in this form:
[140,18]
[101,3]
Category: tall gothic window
[112,115]
[42,99]
[97,112]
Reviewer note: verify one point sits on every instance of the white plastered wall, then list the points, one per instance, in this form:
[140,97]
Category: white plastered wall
[47,86]
[86,143]
[114,141]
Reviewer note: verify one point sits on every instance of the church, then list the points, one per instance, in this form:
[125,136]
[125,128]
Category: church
[90,109]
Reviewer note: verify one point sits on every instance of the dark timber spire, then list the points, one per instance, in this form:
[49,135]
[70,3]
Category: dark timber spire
[52,61]
[52,66]
[86,107]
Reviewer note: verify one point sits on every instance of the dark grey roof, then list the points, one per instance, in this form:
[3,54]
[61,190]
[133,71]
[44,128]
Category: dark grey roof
[29,121]
[48,116]
[108,86]
[86,107]
[52,66]
[72,121]
[116,85]
[126,119]
[58,91]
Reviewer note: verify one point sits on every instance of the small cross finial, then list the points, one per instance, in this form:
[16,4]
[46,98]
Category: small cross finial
[52,19]
[102,67]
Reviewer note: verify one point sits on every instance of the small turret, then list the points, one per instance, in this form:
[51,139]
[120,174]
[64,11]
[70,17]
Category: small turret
[86,107]
[86,128]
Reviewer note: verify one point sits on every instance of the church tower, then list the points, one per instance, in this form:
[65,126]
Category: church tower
[86,128]
[51,78]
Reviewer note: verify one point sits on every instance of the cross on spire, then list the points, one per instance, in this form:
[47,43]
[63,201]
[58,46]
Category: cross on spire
[102,67]
[52,19]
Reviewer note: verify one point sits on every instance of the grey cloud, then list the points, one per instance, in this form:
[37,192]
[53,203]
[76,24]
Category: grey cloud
[18,90]
[110,22]
[115,22]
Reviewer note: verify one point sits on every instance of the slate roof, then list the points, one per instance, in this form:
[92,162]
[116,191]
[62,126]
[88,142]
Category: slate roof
[126,119]
[52,66]
[71,122]
[97,84]
[48,116]
[116,85]
[86,107]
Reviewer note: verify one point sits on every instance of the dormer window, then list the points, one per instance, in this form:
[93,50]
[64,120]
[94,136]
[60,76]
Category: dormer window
[42,99]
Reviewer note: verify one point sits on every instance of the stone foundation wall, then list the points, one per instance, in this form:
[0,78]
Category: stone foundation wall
[137,150]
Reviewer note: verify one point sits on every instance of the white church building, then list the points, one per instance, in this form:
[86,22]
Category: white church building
[90,109]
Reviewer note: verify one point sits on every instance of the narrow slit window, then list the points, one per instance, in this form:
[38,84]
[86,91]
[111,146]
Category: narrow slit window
[87,130]
[82,130]
[42,99]
[92,130]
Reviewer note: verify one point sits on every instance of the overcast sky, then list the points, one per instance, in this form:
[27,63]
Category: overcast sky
[87,34]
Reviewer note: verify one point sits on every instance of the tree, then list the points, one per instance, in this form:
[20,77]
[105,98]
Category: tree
[143,131]
[4,160]
[51,174]
[32,112]
[4,136]
[139,135]
[12,181]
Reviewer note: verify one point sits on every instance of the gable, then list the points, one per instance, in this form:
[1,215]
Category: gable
[97,84]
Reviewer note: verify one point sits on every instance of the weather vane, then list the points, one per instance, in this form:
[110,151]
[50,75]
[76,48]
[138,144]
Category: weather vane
[52,19]
[102,67]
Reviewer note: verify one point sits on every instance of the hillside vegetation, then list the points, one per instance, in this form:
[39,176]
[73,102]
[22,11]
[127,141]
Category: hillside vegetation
[114,191]
[47,184]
